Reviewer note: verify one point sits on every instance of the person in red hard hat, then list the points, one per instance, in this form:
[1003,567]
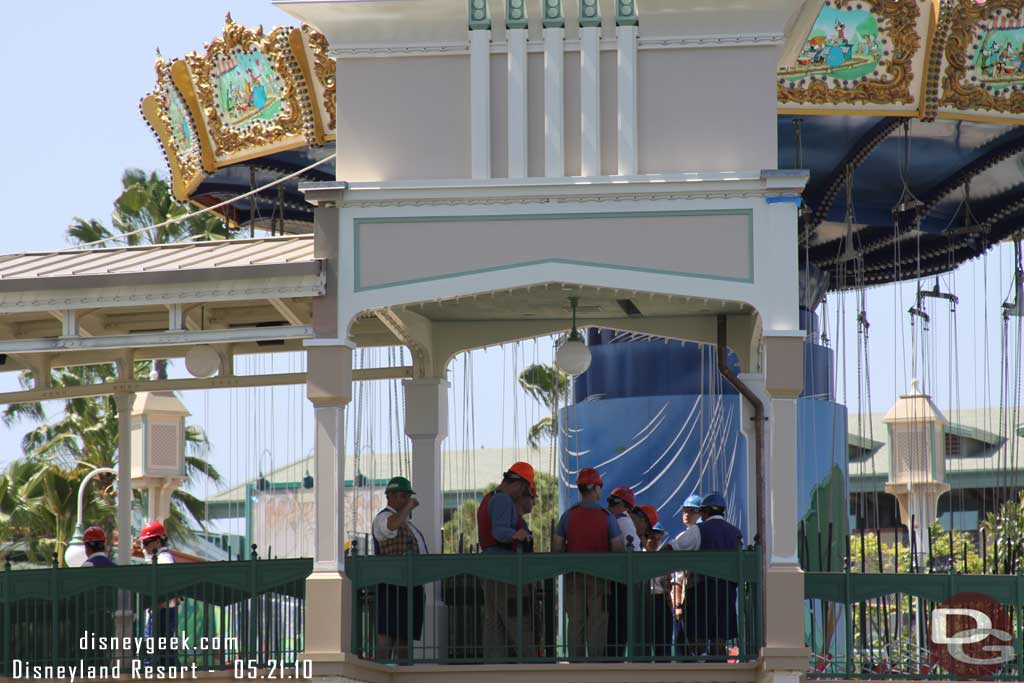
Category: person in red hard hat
[501,529]
[95,540]
[620,504]
[163,623]
[587,528]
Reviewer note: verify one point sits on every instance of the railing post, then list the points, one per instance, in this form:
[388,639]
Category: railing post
[741,606]
[630,606]
[7,619]
[410,653]
[54,612]
[846,610]
[519,601]
[1020,622]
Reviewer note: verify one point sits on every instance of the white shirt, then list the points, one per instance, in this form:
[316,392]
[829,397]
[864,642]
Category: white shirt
[628,530]
[164,556]
[381,532]
[690,539]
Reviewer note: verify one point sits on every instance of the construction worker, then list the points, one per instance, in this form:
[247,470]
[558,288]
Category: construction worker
[163,622]
[95,540]
[620,622]
[620,502]
[644,518]
[395,534]
[501,529]
[587,528]
[709,604]
[691,517]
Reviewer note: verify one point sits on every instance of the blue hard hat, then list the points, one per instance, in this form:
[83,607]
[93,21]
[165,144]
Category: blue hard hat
[713,500]
[658,527]
[693,501]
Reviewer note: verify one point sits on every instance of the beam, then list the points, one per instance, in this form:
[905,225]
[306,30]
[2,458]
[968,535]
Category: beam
[171,338]
[227,382]
[287,311]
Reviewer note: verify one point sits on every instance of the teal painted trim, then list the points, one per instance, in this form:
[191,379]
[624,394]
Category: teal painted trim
[590,13]
[554,14]
[479,15]
[785,200]
[626,13]
[515,14]
[359,222]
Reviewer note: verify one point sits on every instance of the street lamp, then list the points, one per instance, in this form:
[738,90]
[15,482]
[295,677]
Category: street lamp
[573,356]
[75,555]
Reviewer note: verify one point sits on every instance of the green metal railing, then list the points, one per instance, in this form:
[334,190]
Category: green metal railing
[542,607]
[223,613]
[877,626]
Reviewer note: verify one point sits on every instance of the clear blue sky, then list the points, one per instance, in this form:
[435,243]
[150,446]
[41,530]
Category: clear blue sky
[75,74]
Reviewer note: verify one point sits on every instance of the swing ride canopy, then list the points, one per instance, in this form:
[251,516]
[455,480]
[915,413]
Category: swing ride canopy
[913,105]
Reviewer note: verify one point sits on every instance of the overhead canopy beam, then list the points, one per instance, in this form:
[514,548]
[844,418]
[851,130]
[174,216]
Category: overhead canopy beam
[169,338]
[227,382]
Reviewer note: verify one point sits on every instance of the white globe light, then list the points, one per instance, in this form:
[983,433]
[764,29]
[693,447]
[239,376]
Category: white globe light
[573,357]
[202,361]
[75,555]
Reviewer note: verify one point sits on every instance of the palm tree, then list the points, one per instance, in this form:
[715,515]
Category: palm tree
[549,386]
[83,438]
[1005,530]
[147,200]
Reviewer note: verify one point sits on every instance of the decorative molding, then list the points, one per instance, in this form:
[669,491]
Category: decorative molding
[325,71]
[566,199]
[169,338]
[412,50]
[124,297]
[933,65]
[590,13]
[890,82]
[737,40]
[479,15]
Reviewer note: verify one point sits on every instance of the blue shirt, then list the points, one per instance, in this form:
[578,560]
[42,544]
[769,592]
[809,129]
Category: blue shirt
[504,519]
[613,525]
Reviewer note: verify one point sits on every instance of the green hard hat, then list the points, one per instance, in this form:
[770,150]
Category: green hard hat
[399,485]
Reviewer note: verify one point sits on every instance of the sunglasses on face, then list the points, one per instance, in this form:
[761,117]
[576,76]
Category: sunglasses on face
[148,541]
[613,501]
[691,511]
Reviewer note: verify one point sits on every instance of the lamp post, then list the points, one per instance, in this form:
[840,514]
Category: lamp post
[74,554]
[573,356]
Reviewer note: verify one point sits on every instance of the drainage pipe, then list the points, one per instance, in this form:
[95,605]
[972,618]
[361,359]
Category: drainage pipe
[759,419]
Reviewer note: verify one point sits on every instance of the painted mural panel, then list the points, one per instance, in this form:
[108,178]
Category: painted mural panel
[864,52]
[983,63]
[248,88]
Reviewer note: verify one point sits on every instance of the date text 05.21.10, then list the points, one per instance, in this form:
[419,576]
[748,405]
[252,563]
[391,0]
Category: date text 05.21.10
[255,669]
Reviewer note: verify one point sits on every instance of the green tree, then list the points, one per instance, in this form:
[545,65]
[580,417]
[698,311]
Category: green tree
[83,437]
[547,385]
[541,521]
[1005,533]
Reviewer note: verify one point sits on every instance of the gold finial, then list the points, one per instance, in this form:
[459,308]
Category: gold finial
[228,19]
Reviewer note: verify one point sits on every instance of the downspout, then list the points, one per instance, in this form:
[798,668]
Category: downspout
[758,405]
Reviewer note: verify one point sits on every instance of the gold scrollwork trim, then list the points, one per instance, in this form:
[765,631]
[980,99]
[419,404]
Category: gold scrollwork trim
[285,131]
[957,91]
[324,67]
[901,19]
[185,165]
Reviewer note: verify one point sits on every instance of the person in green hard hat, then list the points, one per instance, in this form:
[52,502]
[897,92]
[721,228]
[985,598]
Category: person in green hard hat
[395,534]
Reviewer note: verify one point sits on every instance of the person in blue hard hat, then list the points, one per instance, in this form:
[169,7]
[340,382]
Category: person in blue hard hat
[691,518]
[709,604]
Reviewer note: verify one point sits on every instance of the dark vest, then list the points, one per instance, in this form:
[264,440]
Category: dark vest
[99,561]
[404,542]
[485,528]
[588,530]
[718,534]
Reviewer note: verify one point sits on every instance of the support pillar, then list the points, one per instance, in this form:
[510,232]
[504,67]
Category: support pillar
[124,403]
[328,592]
[785,654]
[426,425]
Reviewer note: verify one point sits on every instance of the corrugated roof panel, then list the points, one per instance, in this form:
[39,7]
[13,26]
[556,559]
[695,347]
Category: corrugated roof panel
[177,256]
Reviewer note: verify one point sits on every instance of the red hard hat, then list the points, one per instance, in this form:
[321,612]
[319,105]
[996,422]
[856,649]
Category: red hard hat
[625,493]
[94,534]
[589,476]
[153,529]
[649,512]
[523,470]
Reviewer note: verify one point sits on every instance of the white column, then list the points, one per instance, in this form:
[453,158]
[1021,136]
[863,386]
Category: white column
[627,38]
[328,593]
[554,102]
[480,102]
[590,100]
[518,110]
[124,404]
[782,497]
[426,425]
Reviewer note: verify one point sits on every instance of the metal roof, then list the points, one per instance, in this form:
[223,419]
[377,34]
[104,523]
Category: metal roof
[157,258]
